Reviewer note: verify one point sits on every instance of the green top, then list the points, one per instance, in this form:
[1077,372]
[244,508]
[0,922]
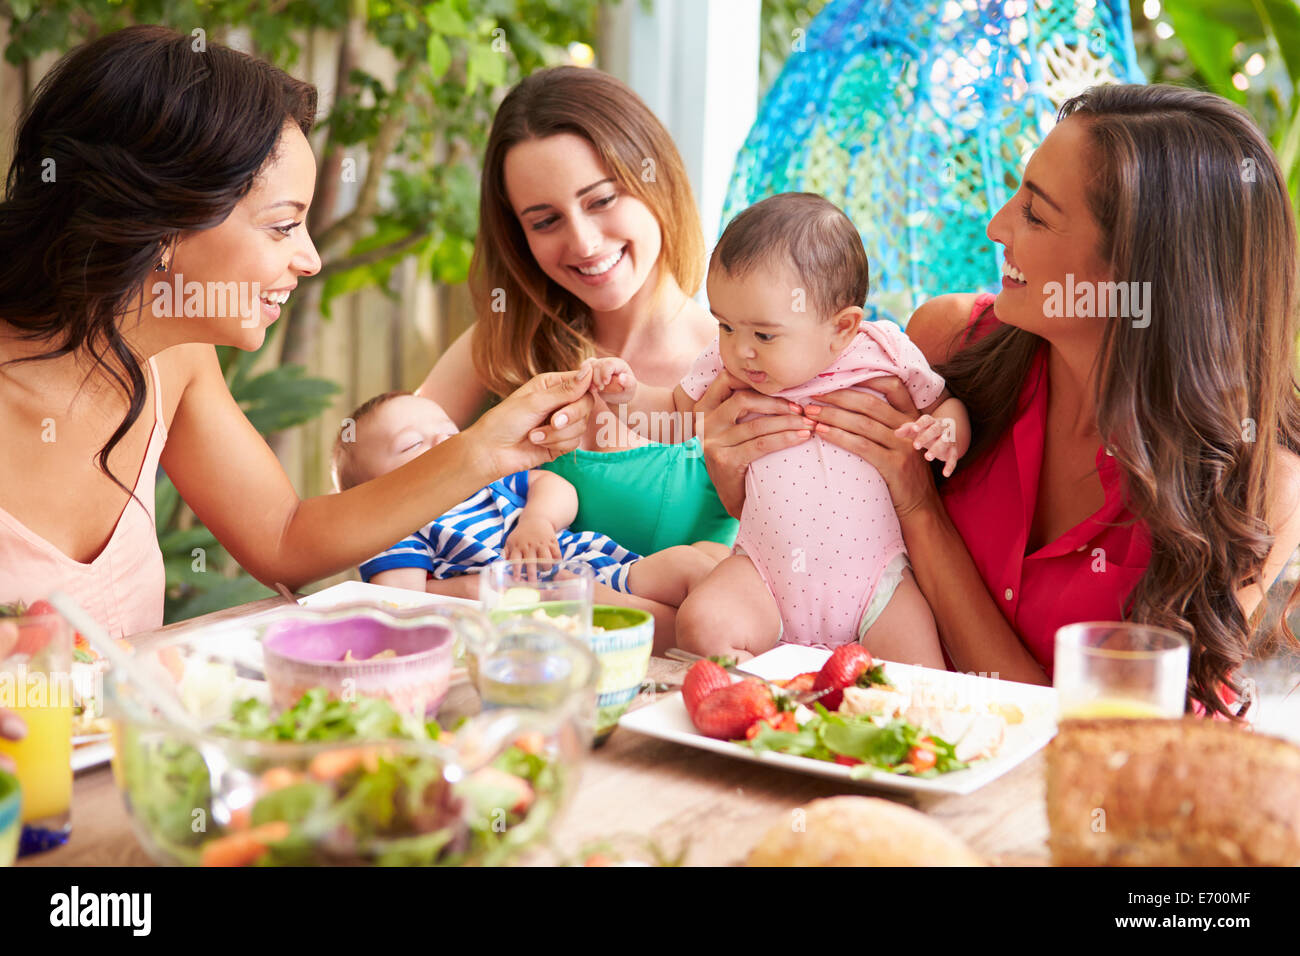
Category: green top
[647,498]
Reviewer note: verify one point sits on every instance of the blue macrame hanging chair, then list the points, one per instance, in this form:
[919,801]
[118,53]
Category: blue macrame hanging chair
[916,117]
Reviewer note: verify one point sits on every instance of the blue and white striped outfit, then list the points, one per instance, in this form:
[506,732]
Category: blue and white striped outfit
[473,534]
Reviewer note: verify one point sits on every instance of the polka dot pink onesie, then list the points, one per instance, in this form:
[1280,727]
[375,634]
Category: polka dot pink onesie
[818,521]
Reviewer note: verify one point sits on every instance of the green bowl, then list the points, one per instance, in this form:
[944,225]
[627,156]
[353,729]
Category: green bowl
[624,654]
[11,802]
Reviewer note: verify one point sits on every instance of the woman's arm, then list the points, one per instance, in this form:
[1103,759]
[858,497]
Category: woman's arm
[1284,517]
[975,634]
[453,383]
[973,631]
[226,472]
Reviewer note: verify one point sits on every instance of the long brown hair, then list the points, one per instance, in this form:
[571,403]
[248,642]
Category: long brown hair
[1188,197]
[543,328]
[146,138]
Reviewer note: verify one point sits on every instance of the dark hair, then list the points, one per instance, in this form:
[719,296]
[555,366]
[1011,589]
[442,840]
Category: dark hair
[1175,207]
[807,232]
[129,142]
[342,467]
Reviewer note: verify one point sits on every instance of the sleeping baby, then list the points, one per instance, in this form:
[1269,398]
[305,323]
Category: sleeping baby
[524,516]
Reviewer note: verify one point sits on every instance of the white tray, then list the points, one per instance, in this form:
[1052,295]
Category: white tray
[668,720]
[352,591]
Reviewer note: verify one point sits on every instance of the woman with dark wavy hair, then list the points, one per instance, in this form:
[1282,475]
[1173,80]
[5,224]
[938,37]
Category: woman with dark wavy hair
[1132,389]
[154,207]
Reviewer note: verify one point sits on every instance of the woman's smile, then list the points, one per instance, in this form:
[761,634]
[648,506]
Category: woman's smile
[601,271]
[272,300]
[1012,278]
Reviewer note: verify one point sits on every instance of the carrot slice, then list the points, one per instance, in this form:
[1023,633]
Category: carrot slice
[241,849]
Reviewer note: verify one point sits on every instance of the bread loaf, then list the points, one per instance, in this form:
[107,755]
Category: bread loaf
[860,831]
[1189,792]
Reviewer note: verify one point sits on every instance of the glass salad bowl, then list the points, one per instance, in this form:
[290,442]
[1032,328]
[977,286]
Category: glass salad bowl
[337,777]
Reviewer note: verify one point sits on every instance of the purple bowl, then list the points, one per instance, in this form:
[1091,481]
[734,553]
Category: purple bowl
[305,649]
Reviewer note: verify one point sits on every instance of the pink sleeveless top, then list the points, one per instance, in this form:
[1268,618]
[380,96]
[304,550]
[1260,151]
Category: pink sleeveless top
[123,587]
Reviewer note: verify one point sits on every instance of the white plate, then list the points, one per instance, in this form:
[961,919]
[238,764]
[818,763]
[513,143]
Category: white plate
[668,720]
[91,755]
[351,591]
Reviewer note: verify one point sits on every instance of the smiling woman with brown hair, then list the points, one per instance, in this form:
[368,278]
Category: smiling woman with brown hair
[589,245]
[1126,466]
[143,161]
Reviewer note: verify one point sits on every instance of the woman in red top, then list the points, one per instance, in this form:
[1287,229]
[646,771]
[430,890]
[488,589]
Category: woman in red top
[1138,465]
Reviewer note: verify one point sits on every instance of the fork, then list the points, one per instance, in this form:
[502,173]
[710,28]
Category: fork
[803,697]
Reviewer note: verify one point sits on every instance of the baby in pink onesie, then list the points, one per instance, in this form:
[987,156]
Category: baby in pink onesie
[819,558]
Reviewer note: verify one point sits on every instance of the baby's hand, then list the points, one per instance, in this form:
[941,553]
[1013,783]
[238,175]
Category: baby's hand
[938,436]
[533,539]
[613,379]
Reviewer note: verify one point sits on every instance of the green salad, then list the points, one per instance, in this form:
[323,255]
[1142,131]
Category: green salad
[866,743]
[373,803]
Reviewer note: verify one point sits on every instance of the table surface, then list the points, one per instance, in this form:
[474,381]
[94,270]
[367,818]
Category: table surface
[637,792]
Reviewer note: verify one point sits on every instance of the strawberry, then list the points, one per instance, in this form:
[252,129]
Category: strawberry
[729,712]
[799,683]
[702,679]
[8,637]
[783,721]
[35,634]
[846,663]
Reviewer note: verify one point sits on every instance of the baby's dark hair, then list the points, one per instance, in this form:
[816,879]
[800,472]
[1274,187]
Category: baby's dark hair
[809,233]
[343,466]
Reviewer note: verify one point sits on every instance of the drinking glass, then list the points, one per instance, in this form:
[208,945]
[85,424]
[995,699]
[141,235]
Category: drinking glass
[534,665]
[36,684]
[1112,669]
[560,592]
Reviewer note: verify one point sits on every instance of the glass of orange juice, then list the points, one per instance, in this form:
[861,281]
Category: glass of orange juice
[1114,669]
[36,684]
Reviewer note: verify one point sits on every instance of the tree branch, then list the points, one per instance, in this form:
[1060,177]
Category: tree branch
[343,232]
[371,256]
[353,36]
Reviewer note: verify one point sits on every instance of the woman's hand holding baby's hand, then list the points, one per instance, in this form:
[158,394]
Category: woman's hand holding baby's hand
[613,379]
[938,436]
[541,420]
[533,539]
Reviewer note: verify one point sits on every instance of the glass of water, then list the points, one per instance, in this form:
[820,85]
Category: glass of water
[534,665]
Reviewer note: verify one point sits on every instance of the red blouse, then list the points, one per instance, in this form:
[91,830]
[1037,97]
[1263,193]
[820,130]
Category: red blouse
[1084,575]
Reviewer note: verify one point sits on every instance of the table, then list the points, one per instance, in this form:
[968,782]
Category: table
[635,788]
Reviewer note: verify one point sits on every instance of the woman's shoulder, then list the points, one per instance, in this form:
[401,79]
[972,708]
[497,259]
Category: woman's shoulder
[181,368]
[936,327]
